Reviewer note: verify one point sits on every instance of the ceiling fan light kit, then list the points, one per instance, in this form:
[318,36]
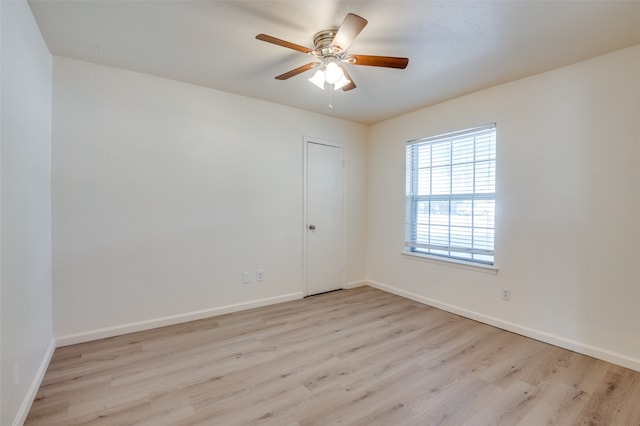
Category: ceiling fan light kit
[331,73]
[331,53]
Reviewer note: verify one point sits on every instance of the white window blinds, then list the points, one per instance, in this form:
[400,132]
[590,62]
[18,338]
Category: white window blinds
[450,195]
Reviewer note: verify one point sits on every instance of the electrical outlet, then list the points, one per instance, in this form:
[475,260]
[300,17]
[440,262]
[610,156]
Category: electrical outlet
[506,294]
[246,278]
[259,275]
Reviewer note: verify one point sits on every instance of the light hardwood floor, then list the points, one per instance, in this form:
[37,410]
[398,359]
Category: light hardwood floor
[355,357]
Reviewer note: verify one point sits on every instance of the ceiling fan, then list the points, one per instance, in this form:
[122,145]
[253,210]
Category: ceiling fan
[331,52]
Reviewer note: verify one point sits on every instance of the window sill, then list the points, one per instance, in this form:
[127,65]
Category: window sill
[453,263]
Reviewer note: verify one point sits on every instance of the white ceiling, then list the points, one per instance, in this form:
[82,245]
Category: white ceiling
[454,47]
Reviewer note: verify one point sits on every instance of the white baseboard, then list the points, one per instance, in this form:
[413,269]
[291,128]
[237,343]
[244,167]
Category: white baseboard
[23,412]
[572,345]
[87,336]
[354,284]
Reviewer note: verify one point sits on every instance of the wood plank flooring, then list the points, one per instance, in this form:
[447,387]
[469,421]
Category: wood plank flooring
[353,357]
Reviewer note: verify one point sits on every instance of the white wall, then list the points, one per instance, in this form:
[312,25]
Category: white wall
[164,193]
[568,205]
[26,334]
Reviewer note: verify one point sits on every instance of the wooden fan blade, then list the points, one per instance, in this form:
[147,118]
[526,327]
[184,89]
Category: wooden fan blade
[284,43]
[351,85]
[378,61]
[348,31]
[297,71]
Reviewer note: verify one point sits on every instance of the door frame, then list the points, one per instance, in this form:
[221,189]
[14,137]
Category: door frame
[305,209]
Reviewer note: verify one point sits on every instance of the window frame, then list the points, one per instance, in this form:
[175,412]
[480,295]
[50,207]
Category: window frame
[467,253]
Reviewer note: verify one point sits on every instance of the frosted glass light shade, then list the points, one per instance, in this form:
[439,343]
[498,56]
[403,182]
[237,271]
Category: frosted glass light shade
[333,73]
[318,79]
[341,83]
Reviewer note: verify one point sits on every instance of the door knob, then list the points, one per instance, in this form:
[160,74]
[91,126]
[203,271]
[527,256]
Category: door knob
[312,227]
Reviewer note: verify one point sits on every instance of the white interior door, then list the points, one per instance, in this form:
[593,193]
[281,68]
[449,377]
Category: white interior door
[325,217]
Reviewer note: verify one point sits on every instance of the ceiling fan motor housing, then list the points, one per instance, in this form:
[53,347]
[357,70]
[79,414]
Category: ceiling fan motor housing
[322,41]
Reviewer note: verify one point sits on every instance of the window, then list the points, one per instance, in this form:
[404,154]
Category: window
[451,196]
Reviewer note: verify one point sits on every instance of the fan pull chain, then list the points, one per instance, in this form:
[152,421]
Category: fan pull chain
[330,96]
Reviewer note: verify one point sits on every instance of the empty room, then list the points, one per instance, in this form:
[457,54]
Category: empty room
[319,212]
